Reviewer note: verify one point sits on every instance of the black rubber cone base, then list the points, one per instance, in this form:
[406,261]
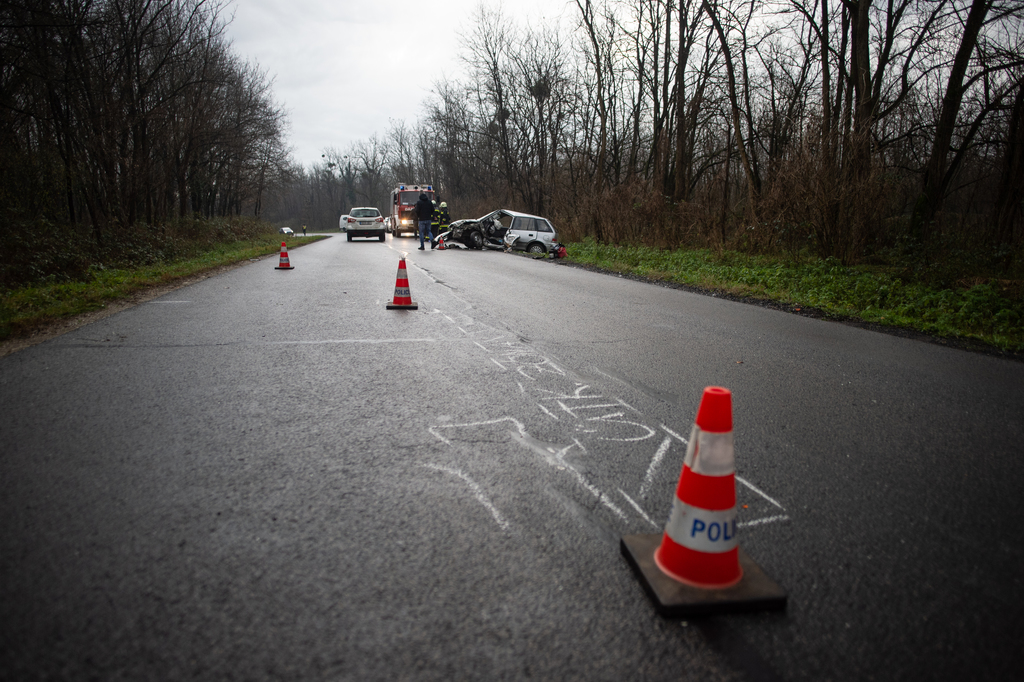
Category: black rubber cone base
[399,306]
[754,592]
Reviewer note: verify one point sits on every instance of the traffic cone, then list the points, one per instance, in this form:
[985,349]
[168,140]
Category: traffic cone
[699,546]
[440,244]
[696,565]
[284,264]
[403,298]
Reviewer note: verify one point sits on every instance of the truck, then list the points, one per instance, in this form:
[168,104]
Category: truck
[403,200]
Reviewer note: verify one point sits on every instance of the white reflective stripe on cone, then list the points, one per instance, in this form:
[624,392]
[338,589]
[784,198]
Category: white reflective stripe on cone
[701,530]
[710,454]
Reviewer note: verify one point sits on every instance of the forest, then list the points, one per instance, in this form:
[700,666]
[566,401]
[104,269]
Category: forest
[845,129]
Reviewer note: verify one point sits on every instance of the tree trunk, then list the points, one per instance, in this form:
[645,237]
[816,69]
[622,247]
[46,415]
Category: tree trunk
[936,178]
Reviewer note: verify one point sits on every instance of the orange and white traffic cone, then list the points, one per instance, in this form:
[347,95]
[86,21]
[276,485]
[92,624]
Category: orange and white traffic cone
[699,546]
[696,565]
[440,244]
[284,263]
[403,297]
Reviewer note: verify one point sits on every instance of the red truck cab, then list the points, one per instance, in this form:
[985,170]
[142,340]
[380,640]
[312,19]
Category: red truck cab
[403,203]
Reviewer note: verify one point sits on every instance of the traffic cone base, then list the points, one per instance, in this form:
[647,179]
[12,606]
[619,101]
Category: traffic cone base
[754,591]
[696,565]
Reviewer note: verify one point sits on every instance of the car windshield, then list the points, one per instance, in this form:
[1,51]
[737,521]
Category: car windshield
[364,213]
[410,198]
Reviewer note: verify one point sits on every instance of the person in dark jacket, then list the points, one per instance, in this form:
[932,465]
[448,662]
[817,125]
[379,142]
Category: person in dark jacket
[424,214]
[446,219]
[435,221]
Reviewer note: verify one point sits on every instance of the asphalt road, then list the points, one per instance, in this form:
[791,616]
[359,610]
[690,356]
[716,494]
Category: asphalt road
[267,475]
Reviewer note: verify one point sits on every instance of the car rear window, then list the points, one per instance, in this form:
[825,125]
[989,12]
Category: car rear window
[365,213]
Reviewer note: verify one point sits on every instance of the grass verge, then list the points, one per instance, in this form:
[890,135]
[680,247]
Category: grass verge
[981,310]
[26,309]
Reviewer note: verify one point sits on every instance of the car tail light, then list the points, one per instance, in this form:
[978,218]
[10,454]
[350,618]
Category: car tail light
[379,220]
[351,220]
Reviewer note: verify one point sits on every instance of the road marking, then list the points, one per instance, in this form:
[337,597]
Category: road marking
[637,507]
[477,492]
[330,341]
[512,353]
[547,411]
[658,456]
[759,522]
[674,434]
[758,491]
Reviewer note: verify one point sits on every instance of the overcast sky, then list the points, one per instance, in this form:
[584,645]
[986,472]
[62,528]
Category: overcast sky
[343,68]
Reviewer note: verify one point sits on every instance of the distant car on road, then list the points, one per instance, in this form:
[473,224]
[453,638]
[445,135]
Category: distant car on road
[365,221]
[286,231]
[343,223]
[534,234]
[387,224]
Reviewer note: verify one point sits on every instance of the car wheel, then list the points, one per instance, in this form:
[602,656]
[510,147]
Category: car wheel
[349,235]
[382,236]
[476,240]
[536,247]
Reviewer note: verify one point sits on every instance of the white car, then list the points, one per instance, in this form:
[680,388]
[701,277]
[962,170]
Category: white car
[343,223]
[365,221]
[287,231]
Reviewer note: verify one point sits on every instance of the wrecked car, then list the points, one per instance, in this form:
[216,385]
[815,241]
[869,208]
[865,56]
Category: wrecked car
[526,232]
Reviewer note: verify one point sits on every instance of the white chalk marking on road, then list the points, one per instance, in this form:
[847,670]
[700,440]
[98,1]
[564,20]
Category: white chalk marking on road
[658,456]
[517,423]
[481,346]
[759,522]
[584,407]
[520,369]
[547,411]
[336,341]
[758,491]
[503,368]
[575,396]
[556,458]
[674,434]
[637,507]
[608,420]
[627,405]
[477,492]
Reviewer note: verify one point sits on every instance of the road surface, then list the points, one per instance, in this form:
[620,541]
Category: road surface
[267,475]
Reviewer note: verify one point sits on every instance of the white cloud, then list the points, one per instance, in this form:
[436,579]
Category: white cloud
[343,68]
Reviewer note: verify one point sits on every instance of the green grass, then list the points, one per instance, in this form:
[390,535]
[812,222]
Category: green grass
[986,312]
[26,309]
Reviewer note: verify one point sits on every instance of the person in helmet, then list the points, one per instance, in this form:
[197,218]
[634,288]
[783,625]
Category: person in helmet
[435,220]
[445,219]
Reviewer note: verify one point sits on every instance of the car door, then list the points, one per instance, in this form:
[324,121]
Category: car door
[524,227]
[545,232]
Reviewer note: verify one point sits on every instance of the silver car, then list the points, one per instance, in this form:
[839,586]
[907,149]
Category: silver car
[533,234]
